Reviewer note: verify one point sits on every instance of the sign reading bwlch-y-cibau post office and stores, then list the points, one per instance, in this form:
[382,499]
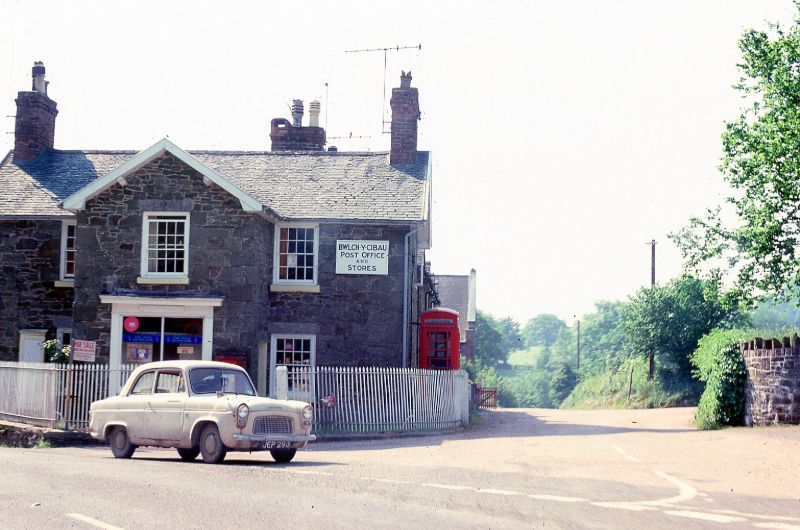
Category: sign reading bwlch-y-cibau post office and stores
[362,257]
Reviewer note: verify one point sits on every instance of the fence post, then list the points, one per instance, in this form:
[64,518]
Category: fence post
[464,395]
[281,383]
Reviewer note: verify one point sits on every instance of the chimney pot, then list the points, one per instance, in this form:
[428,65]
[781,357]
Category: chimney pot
[37,73]
[297,113]
[313,113]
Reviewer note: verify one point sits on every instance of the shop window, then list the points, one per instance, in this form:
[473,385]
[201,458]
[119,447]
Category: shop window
[165,245]
[67,250]
[296,252]
[147,339]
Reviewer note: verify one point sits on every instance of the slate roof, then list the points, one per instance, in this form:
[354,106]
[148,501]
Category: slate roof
[295,185]
[454,294]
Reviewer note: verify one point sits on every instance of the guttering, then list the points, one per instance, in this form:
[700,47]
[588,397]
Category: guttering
[406,319]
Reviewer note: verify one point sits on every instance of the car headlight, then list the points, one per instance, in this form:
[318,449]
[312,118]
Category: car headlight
[242,412]
[308,413]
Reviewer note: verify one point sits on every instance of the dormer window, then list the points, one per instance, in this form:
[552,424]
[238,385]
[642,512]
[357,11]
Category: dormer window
[165,247]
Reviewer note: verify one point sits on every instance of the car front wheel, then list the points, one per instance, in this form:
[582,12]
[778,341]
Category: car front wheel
[211,446]
[188,454]
[121,445]
[283,456]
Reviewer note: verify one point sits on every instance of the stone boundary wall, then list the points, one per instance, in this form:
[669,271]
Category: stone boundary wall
[772,392]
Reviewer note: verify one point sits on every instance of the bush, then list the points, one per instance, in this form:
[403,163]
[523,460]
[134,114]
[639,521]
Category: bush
[719,363]
[609,389]
[564,381]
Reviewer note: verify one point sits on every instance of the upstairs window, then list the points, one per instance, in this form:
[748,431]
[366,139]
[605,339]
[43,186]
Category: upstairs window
[296,250]
[68,250]
[165,244]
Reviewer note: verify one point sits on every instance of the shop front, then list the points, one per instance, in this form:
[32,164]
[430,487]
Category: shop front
[148,329]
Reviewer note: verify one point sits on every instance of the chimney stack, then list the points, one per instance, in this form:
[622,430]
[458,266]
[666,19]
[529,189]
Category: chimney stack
[405,114]
[292,136]
[313,113]
[35,124]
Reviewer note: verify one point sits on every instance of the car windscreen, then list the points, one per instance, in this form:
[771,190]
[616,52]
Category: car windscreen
[213,380]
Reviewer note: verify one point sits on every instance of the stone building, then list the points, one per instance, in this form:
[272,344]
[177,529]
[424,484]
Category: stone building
[297,256]
[457,292]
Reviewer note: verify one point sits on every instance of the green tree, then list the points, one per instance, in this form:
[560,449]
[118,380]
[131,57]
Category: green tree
[669,320]
[761,162]
[512,339]
[489,343]
[603,338]
[542,330]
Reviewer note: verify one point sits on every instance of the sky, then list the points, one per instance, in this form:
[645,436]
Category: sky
[565,135]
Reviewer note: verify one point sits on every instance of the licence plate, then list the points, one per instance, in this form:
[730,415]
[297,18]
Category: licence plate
[277,445]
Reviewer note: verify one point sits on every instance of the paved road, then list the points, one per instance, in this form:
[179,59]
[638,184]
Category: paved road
[517,469]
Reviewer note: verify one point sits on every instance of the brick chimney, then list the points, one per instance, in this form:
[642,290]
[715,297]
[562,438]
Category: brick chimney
[35,125]
[292,136]
[405,114]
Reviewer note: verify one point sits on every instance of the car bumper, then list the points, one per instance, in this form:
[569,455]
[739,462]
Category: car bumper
[274,437]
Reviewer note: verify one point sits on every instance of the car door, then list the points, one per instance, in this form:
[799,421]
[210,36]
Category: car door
[164,414]
[132,407]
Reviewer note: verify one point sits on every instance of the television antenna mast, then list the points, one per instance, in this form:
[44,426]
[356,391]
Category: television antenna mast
[385,56]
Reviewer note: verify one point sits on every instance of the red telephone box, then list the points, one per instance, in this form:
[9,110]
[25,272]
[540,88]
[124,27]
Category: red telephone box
[439,339]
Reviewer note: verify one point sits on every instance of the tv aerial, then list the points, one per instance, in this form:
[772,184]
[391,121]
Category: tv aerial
[385,58]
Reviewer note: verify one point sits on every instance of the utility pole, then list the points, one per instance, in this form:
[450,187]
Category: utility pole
[651,361]
[578,349]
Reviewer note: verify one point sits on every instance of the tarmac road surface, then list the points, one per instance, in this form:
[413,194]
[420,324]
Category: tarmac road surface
[518,468]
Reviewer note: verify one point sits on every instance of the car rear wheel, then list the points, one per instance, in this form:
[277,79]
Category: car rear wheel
[283,456]
[211,446]
[120,444]
[188,454]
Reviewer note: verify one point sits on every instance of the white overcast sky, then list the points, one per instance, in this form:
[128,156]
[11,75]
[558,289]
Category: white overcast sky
[564,134]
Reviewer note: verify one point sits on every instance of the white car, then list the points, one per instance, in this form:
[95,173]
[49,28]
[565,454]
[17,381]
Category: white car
[199,407]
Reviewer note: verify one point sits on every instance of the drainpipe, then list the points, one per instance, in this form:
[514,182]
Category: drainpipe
[405,297]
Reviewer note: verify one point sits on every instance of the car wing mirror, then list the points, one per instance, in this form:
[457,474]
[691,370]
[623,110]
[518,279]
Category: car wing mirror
[220,393]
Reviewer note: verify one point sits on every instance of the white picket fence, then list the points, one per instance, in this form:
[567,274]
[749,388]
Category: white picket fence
[55,395]
[345,400]
[382,399]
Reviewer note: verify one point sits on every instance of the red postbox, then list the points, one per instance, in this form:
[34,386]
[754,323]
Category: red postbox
[439,339]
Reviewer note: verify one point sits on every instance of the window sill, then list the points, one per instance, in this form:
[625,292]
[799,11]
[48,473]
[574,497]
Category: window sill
[162,281]
[285,288]
[70,284]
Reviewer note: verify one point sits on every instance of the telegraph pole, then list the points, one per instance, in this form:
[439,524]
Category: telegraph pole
[651,361]
[578,349]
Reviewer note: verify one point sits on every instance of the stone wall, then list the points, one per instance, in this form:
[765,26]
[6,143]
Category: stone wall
[772,394]
[29,266]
